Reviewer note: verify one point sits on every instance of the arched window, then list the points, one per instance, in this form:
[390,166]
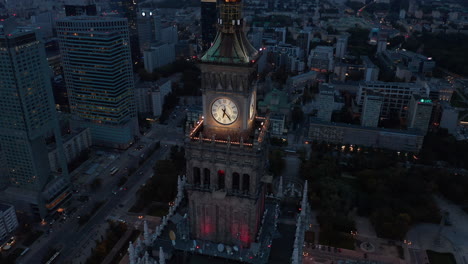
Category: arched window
[235,181]
[196,176]
[221,177]
[245,183]
[206,177]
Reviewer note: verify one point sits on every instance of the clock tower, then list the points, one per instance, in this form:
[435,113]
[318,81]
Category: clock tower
[229,71]
[226,150]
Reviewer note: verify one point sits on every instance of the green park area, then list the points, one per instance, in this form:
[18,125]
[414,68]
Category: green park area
[440,258]
[162,187]
[450,51]
[345,181]
[106,243]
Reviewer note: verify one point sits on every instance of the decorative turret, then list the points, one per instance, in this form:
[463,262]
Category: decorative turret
[146,234]
[131,253]
[162,259]
[279,193]
[304,198]
[231,45]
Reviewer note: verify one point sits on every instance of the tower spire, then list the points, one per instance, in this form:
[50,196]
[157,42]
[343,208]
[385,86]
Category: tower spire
[231,45]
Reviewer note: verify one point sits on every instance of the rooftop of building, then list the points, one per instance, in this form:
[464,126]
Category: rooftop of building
[66,137]
[256,136]
[374,95]
[10,29]
[411,132]
[230,45]
[422,99]
[307,75]
[326,87]
[231,48]
[4,207]
[323,49]
[92,18]
[368,62]
[275,100]
[154,85]
[389,84]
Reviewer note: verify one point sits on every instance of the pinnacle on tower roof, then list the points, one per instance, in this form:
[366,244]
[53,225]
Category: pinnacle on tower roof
[162,259]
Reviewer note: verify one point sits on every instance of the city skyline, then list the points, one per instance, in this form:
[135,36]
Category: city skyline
[233,131]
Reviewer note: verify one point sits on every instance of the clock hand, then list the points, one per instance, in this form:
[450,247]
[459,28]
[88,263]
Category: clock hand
[224,114]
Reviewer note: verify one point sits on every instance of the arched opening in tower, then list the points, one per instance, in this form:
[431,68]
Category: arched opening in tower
[221,179]
[245,183]
[196,176]
[206,177]
[235,181]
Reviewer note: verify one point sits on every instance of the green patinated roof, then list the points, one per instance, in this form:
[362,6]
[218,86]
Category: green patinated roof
[231,48]
[275,100]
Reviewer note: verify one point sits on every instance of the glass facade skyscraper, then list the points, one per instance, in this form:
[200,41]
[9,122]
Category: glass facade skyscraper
[208,22]
[98,73]
[28,121]
[128,9]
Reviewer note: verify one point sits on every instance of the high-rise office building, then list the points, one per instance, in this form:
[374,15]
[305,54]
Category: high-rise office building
[170,35]
[321,59]
[98,73]
[303,40]
[341,45]
[88,8]
[28,123]
[449,118]
[396,95]
[128,9]
[326,100]
[158,55]
[208,22]
[371,110]
[146,28]
[8,220]
[419,113]
[371,71]
[257,37]
[382,44]
[157,28]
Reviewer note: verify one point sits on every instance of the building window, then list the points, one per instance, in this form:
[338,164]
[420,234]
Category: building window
[235,181]
[206,177]
[245,183]
[221,176]
[196,176]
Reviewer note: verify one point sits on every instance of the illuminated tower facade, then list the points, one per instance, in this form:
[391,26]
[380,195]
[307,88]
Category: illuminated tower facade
[226,150]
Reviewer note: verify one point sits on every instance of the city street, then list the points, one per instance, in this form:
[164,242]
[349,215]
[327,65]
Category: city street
[68,236]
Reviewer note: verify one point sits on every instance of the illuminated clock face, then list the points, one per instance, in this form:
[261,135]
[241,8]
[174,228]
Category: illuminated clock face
[252,106]
[224,111]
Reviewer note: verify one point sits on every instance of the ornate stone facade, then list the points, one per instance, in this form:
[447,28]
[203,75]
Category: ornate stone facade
[226,195]
[226,156]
